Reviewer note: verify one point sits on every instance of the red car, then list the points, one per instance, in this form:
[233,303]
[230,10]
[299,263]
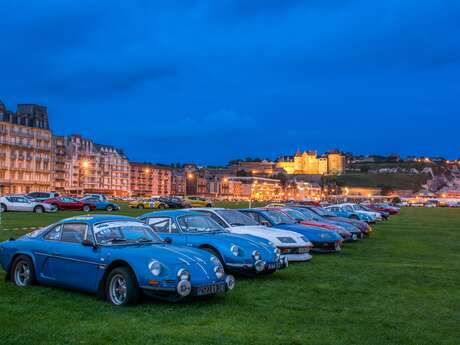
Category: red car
[385,208]
[302,219]
[66,203]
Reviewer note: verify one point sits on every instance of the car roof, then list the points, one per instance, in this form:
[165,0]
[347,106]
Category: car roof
[96,218]
[174,213]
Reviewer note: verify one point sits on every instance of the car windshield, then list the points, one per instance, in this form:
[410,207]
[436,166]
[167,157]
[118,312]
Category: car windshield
[278,218]
[359,208]
[309,214]
[296,214]
[124,232]
[199,224]
[235,218]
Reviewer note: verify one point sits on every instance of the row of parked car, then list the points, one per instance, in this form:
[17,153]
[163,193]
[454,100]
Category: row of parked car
[174,254]
[40,202]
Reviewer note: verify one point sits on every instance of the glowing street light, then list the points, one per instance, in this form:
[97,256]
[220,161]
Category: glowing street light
[85,164]
[189,176]
[147,171]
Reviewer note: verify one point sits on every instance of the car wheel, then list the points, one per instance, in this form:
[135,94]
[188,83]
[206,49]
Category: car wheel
[56,206]
[140,206]
[109,208]
[39,209]
[208,205]
[86,208]
[161,206]
[121,287]
[3,207]
[22,271]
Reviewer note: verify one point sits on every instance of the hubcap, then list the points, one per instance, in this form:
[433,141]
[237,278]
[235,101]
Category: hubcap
[22,274]
[39,210]
[118,289]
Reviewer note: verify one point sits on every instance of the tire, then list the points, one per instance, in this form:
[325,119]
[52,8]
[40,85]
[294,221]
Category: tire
[39,209]
[161,206]
[109,208]
[121,287]
[56,206]
[209,205]
[140,206]
[86,208]
[22,271]
[3,207]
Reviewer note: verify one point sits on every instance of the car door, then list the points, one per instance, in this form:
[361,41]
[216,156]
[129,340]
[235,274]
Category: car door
[71,263]
[24,204]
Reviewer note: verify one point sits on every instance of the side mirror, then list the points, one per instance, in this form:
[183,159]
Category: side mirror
[168,240]
[88,243]
[265,223]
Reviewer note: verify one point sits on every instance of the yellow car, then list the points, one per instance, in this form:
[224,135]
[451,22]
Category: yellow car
[147,203]
[196,201]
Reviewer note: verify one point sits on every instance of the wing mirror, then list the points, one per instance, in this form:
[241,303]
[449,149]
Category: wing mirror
[168,240]
[88,243]
[265,223]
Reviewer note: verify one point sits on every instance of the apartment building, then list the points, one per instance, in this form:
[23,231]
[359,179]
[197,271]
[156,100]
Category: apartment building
[149,179]
[26,162]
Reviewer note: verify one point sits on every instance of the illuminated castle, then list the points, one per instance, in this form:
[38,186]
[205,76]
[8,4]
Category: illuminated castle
[308,162]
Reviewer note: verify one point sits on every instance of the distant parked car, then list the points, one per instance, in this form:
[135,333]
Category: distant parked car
[174,202]
[100,197]
[323,240]
[237,253]
[101,205]
[392,210]
[196,201]
[24,204]
[40,196]
[148,203]
[118,258]
[66,203]
[383,214]
[347,211]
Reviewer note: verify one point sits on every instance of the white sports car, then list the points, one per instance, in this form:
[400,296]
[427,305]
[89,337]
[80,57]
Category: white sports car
[24,204]
[293,246]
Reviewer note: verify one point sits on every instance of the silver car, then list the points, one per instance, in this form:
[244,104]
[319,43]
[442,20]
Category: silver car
[24,204]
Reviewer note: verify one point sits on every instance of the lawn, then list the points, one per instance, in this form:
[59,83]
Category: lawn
[401,286]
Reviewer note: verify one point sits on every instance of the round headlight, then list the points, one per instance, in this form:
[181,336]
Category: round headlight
[215,261]
[183,274]
[219,271]
[155,268]
[256,255]
[235,250]
[277,252]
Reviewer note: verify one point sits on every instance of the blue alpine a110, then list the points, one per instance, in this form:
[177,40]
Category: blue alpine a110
[115,257]
[323,241]
[244,254]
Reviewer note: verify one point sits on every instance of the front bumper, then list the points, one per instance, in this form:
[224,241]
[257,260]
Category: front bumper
[251,268]
[170,292]
[327,247]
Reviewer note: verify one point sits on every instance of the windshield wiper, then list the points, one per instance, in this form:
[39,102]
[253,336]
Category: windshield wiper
[237,224]
[144,240]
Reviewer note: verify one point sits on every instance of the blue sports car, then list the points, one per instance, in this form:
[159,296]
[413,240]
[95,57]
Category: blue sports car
[101,205]
[115,257]
[324,241]
[243,254]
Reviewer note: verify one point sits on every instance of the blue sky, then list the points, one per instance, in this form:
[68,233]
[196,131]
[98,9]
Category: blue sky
[209,81]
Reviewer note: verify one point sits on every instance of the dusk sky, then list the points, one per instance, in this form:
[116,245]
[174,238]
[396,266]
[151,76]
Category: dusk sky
[209,81]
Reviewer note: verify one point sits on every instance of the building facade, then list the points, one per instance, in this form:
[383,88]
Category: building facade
[82,166]
[26,156]
[150,180]
[308,162]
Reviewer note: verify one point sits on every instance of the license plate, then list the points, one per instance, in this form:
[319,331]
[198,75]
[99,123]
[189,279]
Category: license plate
[210,289]
[272,266]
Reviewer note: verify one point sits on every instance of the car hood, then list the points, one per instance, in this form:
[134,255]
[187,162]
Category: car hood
[312,233]
[165,253]
[268,233]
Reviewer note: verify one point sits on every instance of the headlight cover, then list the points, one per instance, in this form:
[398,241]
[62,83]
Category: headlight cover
[215,261]
[235,250]
[183,274]
[256,255]
[155,267]
[219,271]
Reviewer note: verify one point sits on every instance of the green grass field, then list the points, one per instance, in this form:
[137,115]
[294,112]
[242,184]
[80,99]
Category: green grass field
[401,286]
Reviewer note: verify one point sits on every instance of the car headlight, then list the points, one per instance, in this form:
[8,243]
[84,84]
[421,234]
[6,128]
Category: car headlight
[235,250]
[215,261]
[256,255]
[183,274]
[155,268]
[219,271]
[277,251]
